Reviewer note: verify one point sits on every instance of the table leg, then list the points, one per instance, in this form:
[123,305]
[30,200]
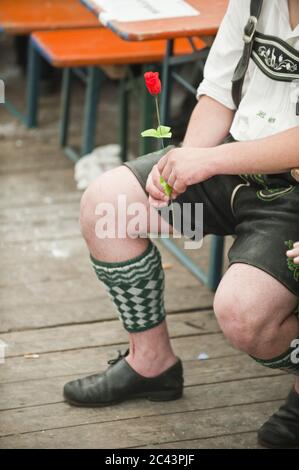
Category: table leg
[65,106]
[33,84]
[124,118]
[95,79]
[166,83]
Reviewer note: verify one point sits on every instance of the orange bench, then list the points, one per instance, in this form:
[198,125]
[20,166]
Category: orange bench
[87,47]
[93,48]
[25,16]
[22,17]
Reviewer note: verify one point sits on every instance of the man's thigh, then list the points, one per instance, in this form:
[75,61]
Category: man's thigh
[214,194]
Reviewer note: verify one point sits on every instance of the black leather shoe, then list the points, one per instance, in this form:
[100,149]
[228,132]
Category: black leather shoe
[281,431]
[120,382]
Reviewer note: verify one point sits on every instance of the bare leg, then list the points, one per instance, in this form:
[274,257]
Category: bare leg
[150,351]
[256,312]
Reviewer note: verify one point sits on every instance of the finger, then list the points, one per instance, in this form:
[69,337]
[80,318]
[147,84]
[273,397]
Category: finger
[156,203]
[174,195]
[296,245]
[171,180]
[296,260]
[292,253]
[154,192]
[162,162]
[179,186]
[167,172]
[156,179]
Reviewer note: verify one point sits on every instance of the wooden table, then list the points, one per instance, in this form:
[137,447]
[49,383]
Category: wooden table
[25,16]
[205,24]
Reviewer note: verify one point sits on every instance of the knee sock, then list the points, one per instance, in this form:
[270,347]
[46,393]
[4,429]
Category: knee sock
[289,361]
[136,288]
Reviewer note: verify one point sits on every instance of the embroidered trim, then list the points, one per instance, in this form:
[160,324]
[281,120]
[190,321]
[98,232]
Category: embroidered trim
[234,193]
[270,194]
[275,58]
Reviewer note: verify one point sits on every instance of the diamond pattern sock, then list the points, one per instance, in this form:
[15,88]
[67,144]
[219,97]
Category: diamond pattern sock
[136,288]
[289,361]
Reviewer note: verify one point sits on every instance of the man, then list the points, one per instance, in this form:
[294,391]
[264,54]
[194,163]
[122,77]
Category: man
[247,189]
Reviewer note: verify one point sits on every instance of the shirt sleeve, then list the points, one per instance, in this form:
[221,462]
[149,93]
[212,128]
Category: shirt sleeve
[225,53]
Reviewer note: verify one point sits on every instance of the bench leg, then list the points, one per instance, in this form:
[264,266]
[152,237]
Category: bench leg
[33,82]
[166,83]
[95,79]
[65,106]
[124,118]
[216,262]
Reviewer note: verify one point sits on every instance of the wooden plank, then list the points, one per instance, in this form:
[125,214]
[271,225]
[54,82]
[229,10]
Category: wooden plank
[205,373]
[58,415]
[33,188]
[99,334]
[33,15]
[245,440]
[35,160]
[149,430]
[52,289]
[82,362]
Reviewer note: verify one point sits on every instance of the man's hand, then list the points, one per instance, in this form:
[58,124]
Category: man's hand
[157,197]
[183,167]
[294,253]
[180,168]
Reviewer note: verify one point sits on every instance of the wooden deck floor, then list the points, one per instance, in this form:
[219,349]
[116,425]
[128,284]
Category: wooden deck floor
[52,306]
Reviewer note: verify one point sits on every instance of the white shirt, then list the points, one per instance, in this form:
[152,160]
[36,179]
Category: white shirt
[268,106]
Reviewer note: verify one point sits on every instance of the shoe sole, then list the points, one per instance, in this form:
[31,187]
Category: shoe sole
[263,443]
[155,397]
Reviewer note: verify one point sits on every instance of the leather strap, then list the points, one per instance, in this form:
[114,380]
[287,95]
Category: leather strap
[248,38]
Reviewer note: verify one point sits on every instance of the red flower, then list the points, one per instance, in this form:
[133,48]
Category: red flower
[153,83]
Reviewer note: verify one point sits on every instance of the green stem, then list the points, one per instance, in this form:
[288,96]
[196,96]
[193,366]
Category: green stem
[158,116]
[167,188]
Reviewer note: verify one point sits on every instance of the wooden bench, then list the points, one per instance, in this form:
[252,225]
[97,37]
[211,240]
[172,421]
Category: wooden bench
[93,49]
[22,17]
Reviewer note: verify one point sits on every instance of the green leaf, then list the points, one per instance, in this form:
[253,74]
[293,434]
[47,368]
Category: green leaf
[167,189]
[164,132]
[151,133]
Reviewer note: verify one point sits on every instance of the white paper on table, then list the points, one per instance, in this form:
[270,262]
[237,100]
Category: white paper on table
[142,10]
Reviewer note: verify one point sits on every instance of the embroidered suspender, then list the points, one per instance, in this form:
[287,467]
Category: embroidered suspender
[274,57]
[248,37]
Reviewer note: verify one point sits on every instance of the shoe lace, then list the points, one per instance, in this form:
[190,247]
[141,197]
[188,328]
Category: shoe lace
[118,358]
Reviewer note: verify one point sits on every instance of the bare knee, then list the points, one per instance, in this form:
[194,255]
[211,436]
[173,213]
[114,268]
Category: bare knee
[101,192]
[242,325]
[108,206]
